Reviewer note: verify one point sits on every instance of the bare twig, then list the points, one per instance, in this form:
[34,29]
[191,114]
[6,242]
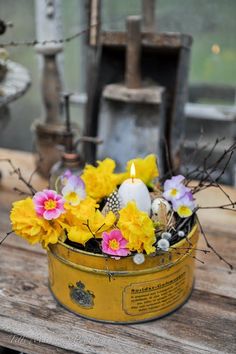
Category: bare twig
[99,228]
[203,163]
[212,248]
[21,192]
[217,185]
[230,206]
[88,226]
[168,159]
[17,171]
[184,255]
[207,175]
[189,248]
[93,234]
[40,160]
[5,237]
[193,155]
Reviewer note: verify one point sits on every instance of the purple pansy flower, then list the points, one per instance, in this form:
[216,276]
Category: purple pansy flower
[74,190]
[66,175]
[174,188]
[184,206]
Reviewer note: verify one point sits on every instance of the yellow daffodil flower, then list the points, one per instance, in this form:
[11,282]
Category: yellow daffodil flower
[137,228]
[146,169]
[100,181]
[31,227]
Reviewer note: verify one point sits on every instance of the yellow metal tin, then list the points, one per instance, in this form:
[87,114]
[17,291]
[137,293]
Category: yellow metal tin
[120,291]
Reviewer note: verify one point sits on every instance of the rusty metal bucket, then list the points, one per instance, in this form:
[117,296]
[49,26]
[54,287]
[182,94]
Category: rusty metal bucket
[120,291]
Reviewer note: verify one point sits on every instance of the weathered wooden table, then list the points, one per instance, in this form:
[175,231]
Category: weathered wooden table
[31,320]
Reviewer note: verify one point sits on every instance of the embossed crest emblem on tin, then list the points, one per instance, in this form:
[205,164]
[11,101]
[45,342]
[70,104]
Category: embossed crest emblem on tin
[81,296]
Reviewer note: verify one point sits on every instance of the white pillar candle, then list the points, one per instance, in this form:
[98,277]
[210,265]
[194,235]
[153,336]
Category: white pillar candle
[133,189]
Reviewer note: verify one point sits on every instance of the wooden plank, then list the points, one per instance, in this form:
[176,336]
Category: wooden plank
[213,276]
[210,112]
[28,345]
[203,323]
[212,92]
[163,40]
[206,324]
[220,226]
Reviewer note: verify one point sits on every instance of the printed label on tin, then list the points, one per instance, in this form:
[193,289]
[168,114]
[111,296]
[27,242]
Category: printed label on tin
[158,295]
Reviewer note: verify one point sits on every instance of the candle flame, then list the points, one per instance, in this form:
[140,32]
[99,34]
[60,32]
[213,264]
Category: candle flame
[132,171]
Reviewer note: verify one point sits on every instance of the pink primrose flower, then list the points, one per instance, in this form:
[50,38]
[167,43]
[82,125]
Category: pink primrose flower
[114,243]
[48,204]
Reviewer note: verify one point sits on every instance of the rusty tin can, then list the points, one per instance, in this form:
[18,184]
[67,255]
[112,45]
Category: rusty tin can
[119,291]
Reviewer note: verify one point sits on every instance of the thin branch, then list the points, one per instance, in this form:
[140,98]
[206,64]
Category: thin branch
[215,184]
[212,248]
[99,228]
[189,248]
[5,237]
[21,192]
[206,173]
[204,183]
[224,192]
[195,257]
[36,169]
[186,254]
[230,206]
[168,159]
[87,224]
[17,171]
[218,141]
[193,156]
[94,236]
[204,162]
